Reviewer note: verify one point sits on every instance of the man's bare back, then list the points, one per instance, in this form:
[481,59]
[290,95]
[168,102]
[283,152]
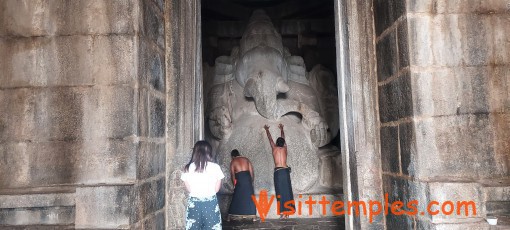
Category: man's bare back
[239,164]
[280,156]
[279,152]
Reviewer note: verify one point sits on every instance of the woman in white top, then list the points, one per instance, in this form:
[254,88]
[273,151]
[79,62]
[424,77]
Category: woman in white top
[203,180]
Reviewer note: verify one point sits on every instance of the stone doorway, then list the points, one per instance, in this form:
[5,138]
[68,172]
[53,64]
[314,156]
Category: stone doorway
[187,34]
[298,37]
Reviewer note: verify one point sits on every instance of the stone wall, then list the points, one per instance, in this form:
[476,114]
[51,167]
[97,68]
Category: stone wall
[82,113]
[444,103]
[150,185]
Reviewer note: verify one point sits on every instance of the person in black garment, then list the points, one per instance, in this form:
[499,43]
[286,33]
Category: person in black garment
[241,173]
[282,183]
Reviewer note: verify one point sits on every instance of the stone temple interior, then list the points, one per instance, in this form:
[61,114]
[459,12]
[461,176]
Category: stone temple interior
[388,101]
[282,45]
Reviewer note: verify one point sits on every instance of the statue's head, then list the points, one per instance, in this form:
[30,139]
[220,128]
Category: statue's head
[260,32]
[263,73]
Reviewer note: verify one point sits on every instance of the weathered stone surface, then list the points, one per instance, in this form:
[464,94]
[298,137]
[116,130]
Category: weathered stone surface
[152,65]
[26,209]
[150,159]
[499,89]
[389,149]
[111,161]
[395,99]
[403,45]
[36,200]
[149,198]
[501,44]
[104,207]
[52,215]
[407,145]
[67,113]
[109,112]
[143,112]
[386,13]
[49,18]
[501,125]
[67,60]
[450,91]
[446,38]
[155,222]
[16,107]
[387,56]
[457,6]
[496,191]
[330,166]
[477,39]
[177,201]
[60,162]
[157,117]
[455,147]
[37,164]
[456,192]
[153,25]
[497,207]
[399,222]
[456,40]
[420,41]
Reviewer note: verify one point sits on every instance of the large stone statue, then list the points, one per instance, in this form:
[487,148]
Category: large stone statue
[261,83]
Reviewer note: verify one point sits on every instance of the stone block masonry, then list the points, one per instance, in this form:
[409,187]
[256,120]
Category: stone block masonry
[82,112]
[443,99]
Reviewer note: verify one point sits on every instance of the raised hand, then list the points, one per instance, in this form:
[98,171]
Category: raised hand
[280,126]
[266,127]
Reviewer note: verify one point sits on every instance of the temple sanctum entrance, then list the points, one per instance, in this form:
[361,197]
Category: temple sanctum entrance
[383,103]
[273,69]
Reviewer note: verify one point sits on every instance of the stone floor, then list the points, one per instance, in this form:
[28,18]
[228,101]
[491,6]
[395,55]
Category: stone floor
[298,224]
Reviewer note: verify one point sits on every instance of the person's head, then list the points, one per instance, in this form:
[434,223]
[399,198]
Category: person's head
[234,153]
[280,142]
[202,153]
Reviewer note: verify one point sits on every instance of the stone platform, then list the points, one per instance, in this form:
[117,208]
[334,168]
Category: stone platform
[304,223]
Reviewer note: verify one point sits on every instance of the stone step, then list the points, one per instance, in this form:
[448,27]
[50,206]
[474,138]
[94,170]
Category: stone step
[55,208]
[336,223]
[496,196]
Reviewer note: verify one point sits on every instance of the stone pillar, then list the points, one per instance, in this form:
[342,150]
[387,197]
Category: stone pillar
[444,104]
[82,113]
[356,68]
[184,100]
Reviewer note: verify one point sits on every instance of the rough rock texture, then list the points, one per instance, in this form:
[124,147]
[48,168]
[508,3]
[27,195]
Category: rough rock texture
[261,83]
[443,73]
[82,113]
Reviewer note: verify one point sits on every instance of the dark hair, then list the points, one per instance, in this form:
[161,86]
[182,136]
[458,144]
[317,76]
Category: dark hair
[202,153]
[235,153]
[280,142]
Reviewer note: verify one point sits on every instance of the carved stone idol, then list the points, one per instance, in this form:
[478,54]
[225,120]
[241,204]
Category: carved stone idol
[261,83]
